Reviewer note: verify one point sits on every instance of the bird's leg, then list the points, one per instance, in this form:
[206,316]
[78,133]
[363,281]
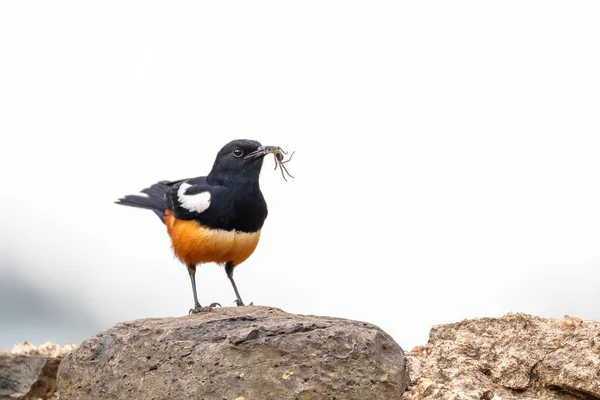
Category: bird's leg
[197,307]
[229,272]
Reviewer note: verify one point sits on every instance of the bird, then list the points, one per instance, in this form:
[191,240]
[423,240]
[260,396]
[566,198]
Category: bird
[217,218]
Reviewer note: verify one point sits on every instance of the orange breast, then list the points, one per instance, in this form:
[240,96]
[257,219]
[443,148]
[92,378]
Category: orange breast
[195,244]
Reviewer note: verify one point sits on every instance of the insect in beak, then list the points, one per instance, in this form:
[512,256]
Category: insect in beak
[279,161]
[279,155]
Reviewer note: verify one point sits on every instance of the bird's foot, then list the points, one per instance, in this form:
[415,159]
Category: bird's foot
[200,309]
[240,303]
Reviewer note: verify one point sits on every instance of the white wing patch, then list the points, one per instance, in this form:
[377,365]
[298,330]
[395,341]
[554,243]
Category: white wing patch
[193,202]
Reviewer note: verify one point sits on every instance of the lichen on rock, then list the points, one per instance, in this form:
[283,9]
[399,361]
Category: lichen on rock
[518,356]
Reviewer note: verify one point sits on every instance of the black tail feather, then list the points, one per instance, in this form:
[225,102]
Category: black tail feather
[154,198]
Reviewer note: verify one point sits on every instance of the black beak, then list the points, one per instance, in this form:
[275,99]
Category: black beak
[263,151]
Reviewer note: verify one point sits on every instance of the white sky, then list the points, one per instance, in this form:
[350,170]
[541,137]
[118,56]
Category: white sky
[446,154]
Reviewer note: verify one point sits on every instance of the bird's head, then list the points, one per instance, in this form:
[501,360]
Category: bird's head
[240,160]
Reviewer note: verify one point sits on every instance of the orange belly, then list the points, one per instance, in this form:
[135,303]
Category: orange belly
[194,244]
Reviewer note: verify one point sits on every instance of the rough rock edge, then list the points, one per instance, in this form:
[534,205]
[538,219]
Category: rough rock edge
[48,349]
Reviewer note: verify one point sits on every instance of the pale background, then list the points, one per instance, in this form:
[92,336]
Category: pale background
[447,161]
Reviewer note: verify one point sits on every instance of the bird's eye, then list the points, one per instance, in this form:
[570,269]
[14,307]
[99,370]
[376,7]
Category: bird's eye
[238,153]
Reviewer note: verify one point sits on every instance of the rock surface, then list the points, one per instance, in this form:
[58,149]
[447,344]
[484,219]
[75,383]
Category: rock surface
[29,372]
[236,353]
[518,356]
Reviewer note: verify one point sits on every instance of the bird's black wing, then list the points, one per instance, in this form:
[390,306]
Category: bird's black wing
[191,198]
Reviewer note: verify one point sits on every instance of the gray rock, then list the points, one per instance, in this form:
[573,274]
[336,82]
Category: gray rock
[26,376]
[236,353]
[518,356]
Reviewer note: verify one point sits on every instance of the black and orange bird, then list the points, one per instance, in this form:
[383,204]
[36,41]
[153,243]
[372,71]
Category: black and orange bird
[215,218]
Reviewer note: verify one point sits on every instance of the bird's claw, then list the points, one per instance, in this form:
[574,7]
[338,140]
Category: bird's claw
[200,309]
[240,303]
